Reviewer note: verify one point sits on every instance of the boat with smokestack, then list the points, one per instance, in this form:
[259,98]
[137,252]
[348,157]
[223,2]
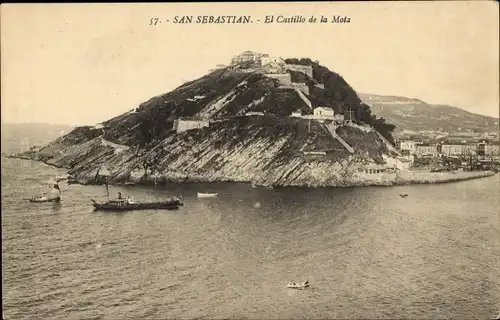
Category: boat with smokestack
[128,204]
[55,198]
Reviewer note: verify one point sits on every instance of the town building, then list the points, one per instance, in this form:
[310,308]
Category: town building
[399,163]
[488,149]
[458,149]
[422,149]
[409,146]
[376,168]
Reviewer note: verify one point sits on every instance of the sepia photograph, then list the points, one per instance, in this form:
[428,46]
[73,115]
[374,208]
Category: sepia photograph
[254,160]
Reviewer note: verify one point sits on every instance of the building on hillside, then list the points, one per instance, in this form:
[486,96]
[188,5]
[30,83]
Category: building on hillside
[349,116]
[283,79]
[297,114]
[254,58]
[338,118]
[254,113]
[300,68]
[182,125]
[314,153]
[273,68]
[324,112]
[275,60]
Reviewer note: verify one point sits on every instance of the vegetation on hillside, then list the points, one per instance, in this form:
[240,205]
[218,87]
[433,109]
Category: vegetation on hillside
[343,97]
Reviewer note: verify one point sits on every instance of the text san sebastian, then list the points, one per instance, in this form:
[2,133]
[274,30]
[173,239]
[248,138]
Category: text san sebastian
[212,19]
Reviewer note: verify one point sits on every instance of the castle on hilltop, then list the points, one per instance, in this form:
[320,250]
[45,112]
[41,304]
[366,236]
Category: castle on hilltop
[268,64]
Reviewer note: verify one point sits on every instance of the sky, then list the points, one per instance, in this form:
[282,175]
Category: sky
[82,64]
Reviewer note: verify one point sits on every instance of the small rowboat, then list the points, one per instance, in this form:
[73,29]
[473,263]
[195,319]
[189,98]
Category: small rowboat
[293,285]
[45,199]
[207,195]
[403,195]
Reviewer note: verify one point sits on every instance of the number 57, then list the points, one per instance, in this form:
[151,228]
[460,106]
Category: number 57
[153,21]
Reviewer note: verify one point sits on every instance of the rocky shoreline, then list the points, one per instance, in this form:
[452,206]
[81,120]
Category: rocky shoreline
[386,179]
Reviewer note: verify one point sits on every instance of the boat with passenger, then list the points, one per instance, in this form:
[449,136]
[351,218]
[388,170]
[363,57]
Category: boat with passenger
[293,285]
[56,197]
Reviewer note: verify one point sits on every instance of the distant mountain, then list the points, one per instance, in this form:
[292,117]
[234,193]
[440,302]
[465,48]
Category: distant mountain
[18,137]
[417,115]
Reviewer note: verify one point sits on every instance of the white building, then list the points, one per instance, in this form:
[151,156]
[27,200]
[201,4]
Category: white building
[273,68]
[399,163]
[456,149]
[185,125]
[492,150]
[275,60]
[324,112]
[339,118]
[254,113]
[248,56]
[285,79]
[410,146]
[297,113]
[373,168]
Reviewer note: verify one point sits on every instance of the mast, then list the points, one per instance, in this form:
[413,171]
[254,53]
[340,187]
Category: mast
[107,190]
[155,177]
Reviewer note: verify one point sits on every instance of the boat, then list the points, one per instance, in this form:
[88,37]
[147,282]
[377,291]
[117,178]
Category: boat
[207,195]
[56,198]
[127,204]
[45,199]
[293,285]
[404,195]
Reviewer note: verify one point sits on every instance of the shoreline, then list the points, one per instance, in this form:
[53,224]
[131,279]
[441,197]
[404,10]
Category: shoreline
[387,180]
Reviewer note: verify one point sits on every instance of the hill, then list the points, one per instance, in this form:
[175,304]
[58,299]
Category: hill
[145,145]
[18,137]
[417,115]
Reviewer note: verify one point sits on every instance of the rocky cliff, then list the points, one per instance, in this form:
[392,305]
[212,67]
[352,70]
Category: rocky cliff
[142,145]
